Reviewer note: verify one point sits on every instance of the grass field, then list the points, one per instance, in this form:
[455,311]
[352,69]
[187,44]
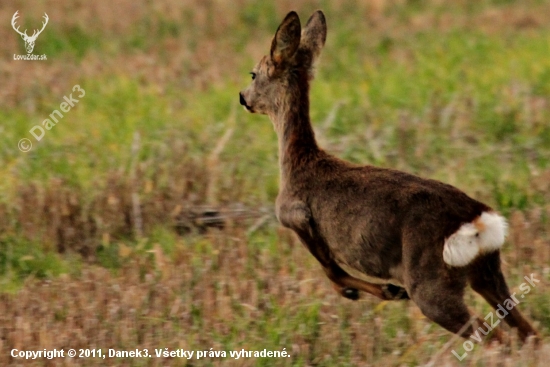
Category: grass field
[110,226]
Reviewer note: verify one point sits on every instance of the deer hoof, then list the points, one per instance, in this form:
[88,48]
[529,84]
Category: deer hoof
[351,293]
[393,292]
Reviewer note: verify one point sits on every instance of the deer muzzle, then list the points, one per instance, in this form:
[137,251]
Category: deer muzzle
[242,101]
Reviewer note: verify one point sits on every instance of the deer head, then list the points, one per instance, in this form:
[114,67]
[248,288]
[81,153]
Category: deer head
[29,40]
[291,61]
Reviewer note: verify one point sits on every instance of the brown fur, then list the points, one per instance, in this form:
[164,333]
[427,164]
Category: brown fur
[383,223]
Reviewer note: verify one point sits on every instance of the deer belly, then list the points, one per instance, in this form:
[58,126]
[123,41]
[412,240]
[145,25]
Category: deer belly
[395,277]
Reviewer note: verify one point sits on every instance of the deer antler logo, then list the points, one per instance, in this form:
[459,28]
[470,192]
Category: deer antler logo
[29,40]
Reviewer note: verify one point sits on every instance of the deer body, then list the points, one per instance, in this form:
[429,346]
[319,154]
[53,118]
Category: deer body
[420,238]
[371,210]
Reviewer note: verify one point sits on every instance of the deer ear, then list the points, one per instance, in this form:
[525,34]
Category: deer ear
[314,34]
[287,39]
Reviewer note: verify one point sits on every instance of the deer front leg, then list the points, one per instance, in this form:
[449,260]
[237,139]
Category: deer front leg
[348,285]
[297,217]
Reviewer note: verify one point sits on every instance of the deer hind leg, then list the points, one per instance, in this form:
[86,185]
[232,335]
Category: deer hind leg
[486,278]
[435,288]
[443,303]
[297,216]
[440,299]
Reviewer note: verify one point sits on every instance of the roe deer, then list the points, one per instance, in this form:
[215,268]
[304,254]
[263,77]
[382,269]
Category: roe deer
[422,239]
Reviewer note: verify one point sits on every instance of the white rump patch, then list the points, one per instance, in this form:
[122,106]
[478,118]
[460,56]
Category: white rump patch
[484,234]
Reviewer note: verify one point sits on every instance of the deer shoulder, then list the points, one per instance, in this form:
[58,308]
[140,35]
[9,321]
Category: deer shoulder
[293,213]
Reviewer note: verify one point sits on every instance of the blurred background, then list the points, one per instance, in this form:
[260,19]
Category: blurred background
[144,217]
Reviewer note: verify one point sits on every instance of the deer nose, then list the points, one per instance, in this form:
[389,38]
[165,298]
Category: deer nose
[241,99]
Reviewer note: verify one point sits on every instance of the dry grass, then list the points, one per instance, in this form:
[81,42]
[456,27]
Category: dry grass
[229,296]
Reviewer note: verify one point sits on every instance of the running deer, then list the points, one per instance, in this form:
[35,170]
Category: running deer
[419,238]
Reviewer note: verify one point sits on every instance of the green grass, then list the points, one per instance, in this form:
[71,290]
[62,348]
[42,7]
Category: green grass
[20,260]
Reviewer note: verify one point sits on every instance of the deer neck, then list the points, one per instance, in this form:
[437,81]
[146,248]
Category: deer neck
[297,145]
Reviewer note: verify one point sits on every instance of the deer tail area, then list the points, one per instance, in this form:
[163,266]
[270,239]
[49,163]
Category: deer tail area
[484,234]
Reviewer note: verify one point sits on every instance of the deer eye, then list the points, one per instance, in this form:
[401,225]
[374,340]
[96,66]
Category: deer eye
[253,75]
